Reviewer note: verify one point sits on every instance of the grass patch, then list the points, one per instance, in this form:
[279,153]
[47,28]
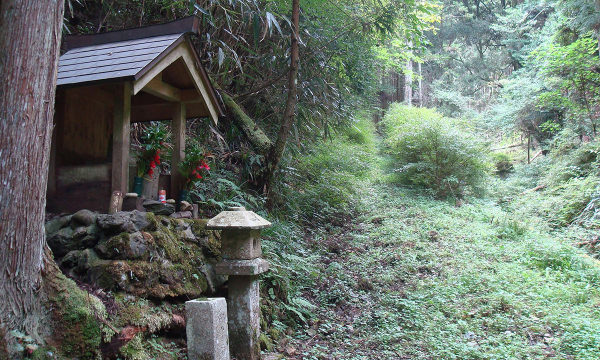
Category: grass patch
[409,276]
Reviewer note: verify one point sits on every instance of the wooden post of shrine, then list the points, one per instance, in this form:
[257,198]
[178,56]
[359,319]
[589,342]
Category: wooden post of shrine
[120,146]
[178,129]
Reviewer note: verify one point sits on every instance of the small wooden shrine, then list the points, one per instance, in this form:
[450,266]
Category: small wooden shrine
[105,83]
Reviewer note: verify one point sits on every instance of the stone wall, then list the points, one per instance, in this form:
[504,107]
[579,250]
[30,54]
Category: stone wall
[139,253]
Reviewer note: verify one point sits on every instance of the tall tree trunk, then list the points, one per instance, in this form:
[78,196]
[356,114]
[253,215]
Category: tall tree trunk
[420,86]
[274,156]
[529,147]
[259,140]
[30,34]
[408,83]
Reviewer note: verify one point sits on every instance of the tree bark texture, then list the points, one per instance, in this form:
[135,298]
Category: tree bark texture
[259,140]
[408,82]
[30,34]
[276,152]
[420,86]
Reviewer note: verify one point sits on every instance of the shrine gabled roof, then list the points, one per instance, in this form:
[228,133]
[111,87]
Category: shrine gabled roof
[128,55]
[114,60]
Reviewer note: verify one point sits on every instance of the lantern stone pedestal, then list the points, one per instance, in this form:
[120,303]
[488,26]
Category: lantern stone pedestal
[241,261]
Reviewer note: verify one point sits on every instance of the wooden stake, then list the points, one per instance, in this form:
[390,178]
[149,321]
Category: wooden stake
[116,202]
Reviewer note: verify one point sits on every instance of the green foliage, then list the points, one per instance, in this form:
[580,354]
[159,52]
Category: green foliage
[322,188]
[321,184]
[573,80]
[194,167]
[582,15]
[221,191]
[573,181]
[434,152]
[477,281]
[244,45]
[579,162]
[570,178]
[509,229]
[466,57]
[555,80]
[292,272]
[503,163]
[152,143]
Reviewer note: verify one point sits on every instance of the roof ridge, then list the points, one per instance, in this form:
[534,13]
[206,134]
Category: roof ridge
[179,26]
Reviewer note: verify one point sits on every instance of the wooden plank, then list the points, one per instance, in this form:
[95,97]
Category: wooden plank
[200,86]
[121,128]
[151,112]
[86,127]
[156,66]
[83,174]
[161,89]
[206,80]
[184,51]
[160,112]
[190,95]
[178,129]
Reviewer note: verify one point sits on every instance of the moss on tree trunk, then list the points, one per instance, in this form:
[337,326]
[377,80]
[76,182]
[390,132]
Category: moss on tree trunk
[259,140]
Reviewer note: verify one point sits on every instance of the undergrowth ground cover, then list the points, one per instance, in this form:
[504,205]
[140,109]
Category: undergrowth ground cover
[407,276]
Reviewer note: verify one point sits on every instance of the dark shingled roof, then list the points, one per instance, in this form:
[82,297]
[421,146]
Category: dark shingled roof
[126,55]
[114,60]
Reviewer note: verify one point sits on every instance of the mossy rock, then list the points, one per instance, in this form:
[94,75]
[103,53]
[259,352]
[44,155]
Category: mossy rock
[56,224]
[139,245]
[209,239]
[178,248]
[171,258]
[46,353]
[156,280]
[77,331]
[78,262]
[134,349]
[84,217]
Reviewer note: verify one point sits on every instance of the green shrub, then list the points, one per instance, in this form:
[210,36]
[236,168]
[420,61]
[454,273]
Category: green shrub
[576,162]
[360,132]
[434,152]
[320,185]
[220,190]
[502,163]
[563,203]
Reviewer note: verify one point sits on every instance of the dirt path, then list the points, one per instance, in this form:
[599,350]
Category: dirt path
[416,278]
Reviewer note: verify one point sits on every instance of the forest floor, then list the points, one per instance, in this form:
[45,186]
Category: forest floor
[412,277]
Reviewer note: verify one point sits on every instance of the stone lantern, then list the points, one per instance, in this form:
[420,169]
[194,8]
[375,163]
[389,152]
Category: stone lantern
[240,238]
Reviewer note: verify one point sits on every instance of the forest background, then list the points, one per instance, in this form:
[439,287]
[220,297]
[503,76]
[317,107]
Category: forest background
[514,82]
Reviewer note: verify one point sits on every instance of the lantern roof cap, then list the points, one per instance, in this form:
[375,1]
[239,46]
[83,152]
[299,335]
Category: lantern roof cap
[237,218]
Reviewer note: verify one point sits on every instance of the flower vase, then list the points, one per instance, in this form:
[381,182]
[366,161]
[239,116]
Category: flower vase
[138,185]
